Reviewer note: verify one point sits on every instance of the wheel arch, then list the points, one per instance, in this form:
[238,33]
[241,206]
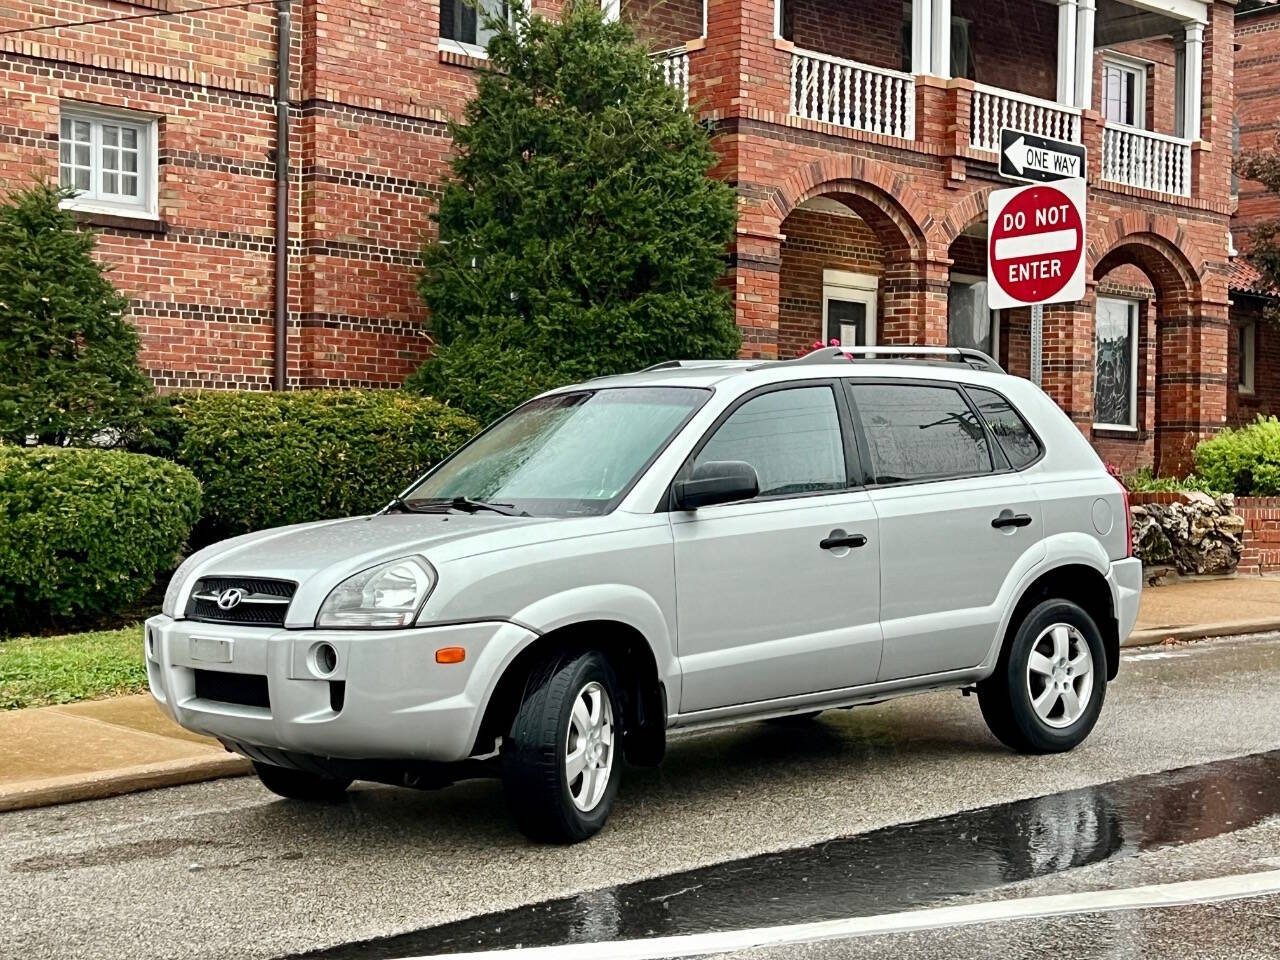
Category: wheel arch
[1080,581]
[642,689]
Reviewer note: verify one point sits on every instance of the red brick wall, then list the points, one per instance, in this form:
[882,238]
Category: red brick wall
[1257,107]
[1265,399]
[816,241]
[664,24]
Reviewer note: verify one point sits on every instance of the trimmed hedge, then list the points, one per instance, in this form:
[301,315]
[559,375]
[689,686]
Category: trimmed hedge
[84,533]
[270,459]
[1244,461]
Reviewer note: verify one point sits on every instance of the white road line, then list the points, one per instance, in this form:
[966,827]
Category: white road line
[1096,901]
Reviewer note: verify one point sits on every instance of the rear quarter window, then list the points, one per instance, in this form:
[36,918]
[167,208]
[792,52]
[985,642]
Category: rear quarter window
[1007,426]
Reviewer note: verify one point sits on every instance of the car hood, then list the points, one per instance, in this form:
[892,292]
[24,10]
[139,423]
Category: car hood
[318,556]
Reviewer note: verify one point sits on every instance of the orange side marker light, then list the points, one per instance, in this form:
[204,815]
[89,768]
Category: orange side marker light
[451,654]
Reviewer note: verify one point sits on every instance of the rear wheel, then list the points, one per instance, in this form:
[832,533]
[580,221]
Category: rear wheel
[561,762]
[299,784]
[1048,686]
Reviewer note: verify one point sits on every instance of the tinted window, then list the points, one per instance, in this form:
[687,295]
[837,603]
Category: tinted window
[1010,430]
[791,437]
[920,432]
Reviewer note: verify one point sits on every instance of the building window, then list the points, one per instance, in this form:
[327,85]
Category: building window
[108,158]
[464,24]
[970,322]
[1115,364]
[962,63]
[849,308]
[1246,341]
[1124,92]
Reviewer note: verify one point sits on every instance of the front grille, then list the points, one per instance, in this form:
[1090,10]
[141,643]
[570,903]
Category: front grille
[263,602]
[245,689]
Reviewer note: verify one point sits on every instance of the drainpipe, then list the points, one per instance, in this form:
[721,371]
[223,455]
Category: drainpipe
[280,381]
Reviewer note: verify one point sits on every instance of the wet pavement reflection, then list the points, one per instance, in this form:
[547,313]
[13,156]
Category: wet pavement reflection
[895,868]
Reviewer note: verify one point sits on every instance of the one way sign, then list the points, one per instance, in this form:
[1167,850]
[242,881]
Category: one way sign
[1024,156]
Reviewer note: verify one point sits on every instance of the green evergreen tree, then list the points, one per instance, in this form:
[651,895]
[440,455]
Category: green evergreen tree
[68,357]
[582,234]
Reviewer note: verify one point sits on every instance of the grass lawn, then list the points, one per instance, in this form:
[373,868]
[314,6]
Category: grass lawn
[38,671]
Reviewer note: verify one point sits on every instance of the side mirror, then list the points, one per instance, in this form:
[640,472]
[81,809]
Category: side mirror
[717,481]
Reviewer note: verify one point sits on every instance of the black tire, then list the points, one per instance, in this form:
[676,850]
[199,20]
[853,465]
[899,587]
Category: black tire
[300,785]
[538,790]
[1005,697]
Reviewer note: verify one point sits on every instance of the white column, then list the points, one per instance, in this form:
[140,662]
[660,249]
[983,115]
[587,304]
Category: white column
[1066,51]
[1192,75]
[940,28]
[1084,53]
[921,36]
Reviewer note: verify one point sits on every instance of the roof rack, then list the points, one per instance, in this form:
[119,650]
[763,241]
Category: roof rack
[693,364]
[966,355]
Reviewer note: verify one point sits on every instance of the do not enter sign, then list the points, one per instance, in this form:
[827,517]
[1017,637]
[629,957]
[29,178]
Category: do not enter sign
[1035,244]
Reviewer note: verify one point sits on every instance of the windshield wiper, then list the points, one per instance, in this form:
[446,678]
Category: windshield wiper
[467,505]
[401,504]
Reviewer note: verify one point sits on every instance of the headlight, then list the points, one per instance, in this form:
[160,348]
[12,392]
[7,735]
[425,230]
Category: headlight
[388,595]
[169,606]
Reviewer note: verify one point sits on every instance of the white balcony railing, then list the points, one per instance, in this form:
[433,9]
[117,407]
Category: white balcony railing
[1150,161]
[674,65]
[994,108]
[851,94]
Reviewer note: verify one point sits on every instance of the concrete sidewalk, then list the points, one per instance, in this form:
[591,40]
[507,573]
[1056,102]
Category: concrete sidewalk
[105,747]
[100,748]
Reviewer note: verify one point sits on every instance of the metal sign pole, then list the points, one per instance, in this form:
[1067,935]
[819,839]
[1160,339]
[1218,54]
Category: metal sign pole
[1037,342]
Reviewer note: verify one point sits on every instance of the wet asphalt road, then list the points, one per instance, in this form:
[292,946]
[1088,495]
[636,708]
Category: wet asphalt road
[226,870]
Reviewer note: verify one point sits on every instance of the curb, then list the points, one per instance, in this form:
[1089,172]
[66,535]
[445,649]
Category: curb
[1199,631]
[110,783]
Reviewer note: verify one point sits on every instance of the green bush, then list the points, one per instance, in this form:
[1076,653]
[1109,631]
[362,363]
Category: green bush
[269,459]
[1244,461]
[70,372]
[1145,481]
[84,533]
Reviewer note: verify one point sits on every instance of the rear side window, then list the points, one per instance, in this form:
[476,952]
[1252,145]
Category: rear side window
[1006,424]
[920,432]
[792,437]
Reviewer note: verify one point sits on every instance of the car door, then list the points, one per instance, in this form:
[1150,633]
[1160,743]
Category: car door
[955,518]
[779,595]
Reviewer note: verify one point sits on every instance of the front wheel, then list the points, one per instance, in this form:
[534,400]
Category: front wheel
[1048,686]
[299,784]
[561,762]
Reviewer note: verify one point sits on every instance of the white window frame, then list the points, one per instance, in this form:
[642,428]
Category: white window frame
[1135,317]
[855,288]
[1140,70]
[968,279]
[477,51]
[94,200]
[1248,358]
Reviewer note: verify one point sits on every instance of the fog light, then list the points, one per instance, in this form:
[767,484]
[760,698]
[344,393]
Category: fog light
[451,655]
[324,658]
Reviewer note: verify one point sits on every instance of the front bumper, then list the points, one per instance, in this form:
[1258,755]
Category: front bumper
[395,702]
[1125,579]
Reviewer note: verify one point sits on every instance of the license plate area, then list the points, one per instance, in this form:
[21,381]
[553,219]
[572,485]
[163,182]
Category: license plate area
[211,650]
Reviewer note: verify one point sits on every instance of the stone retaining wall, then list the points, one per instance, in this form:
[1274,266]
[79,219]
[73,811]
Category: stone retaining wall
[1260,539]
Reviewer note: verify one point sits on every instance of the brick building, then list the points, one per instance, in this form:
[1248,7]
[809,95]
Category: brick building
[860,138]
[1253,369]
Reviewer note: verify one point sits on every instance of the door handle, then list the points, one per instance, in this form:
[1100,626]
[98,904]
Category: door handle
[835,542]
[1008,519]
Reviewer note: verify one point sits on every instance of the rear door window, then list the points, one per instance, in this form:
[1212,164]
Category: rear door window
[1007,426]
[918,432]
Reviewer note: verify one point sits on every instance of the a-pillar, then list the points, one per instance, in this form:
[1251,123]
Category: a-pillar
[1067,358]
[1191,379]
[755,267]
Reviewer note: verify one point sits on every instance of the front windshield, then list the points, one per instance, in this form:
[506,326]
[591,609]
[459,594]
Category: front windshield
[569,454]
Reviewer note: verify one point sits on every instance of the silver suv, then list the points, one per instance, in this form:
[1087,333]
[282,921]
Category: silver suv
[696,544]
